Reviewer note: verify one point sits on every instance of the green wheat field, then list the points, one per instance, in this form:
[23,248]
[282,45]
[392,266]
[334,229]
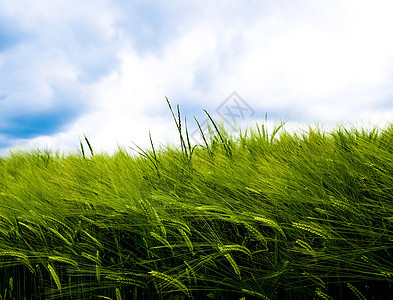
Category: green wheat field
[260,215]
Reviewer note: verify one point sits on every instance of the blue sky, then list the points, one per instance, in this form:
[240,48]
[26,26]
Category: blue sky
[102,68]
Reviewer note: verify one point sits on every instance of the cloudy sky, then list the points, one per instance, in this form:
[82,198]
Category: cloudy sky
[102,68]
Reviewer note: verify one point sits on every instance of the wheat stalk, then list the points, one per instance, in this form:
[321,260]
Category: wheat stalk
[187,240]
[91,257]
[123,280]
[54,276]
[171,281]
[161,239]
[270,223]
[118,294]
[151,214]
[93,239]
[388,275]
[233,263]
[343,206]
[59,235]
[98,266]
[214,208]
[20,257]
[322,294]
[98,272]
[313,229]
[255,294]
[256,234]
[307,247]
[28,265]
[176,223]
[62,224]
[15,254]
[35,231]
[358,294]
[104,297]
[190,270]
[11,284]
[234,247]
[6,220]
[64,260]
[315,279]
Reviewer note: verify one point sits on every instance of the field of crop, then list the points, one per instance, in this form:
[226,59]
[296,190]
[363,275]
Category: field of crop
[261,215]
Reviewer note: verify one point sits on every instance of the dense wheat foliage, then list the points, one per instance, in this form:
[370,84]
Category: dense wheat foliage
[257,216]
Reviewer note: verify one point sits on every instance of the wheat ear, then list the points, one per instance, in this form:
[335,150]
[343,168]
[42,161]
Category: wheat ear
[356,292]
[171,281]
[255,294]
[55,277]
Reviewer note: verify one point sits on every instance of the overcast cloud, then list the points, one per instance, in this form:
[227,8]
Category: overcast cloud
[103,68]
